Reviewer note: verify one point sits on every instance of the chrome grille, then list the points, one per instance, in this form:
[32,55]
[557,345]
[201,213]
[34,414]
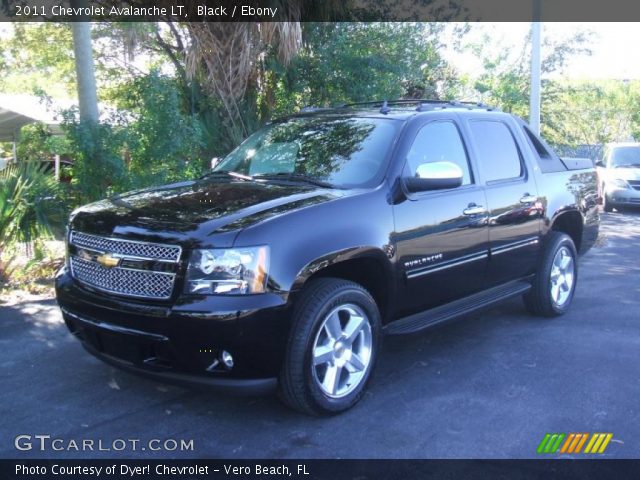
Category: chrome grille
[133,283]
[139,282]
[635,184]
[127,247]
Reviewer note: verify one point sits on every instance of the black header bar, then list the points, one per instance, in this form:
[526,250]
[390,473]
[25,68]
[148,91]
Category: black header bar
[319,469]
[321,10]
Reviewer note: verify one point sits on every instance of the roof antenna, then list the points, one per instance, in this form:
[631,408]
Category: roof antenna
[385,108]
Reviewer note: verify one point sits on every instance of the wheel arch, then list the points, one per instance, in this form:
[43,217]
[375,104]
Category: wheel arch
[571,223]
[368,267]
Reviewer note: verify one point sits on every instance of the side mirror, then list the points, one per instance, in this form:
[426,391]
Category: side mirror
[214,161]
[599,163]
[435,176]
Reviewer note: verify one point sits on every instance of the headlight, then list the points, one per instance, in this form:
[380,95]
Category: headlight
[620,183]
[230,271]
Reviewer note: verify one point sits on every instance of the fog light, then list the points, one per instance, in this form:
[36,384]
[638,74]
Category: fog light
[227,359]
[213,365]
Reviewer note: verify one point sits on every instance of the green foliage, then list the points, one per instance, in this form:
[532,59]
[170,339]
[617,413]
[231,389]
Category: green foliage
[163,142]
[572,113]
[151,141]
[171,128]
[505,81]
[36,143]
[351,62]
[38,56]
[97,151]
[30,206]
[590,113]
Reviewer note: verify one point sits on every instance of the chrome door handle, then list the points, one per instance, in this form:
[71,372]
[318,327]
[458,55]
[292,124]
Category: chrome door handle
[528,198]
[474,209]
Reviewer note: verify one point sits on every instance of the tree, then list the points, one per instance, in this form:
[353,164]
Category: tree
[38,57]
[228,59]
[86,80]
[591,114]
[505,80]
[351,62]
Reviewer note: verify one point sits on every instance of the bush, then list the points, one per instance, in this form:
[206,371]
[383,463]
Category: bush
[97,151]
[165,143]
[150,142]
[31,209]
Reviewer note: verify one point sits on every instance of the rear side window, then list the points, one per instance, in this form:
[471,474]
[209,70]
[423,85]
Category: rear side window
[439,142]
[537,145]
[498,155]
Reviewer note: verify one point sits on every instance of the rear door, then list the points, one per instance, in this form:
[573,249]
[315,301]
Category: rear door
[515,211]
[441,236]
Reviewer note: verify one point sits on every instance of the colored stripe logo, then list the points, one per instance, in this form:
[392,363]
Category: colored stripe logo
[574,442]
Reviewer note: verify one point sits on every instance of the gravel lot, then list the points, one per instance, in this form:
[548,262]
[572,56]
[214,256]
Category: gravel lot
[489,386]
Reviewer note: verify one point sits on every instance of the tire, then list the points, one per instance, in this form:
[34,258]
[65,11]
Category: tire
[347,356]
[607,206]
[549,298]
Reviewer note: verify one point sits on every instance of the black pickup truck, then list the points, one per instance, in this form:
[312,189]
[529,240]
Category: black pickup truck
[284,266]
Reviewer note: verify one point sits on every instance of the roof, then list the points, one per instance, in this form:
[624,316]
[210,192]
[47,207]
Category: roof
[19,110]
[622,144]
[396,109]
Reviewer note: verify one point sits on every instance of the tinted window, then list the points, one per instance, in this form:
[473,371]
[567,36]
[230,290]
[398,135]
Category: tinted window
[346,152]
[498,156]
[439,142]
[625,156]
[537,144]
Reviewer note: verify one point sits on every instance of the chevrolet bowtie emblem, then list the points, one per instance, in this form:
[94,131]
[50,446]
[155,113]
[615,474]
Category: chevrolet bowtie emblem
[108,261]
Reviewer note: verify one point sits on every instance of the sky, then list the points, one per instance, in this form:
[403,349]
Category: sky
[614,46]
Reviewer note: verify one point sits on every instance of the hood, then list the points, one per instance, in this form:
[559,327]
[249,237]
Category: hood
[195,209]
[625,173]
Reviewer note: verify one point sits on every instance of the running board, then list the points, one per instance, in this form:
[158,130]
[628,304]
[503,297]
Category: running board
[422,320]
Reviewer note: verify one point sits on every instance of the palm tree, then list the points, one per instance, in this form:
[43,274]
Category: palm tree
[86,80]
[224,60]
[28,207]
[227,59]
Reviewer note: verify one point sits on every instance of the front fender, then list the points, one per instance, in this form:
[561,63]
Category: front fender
[308,239]
[346,255]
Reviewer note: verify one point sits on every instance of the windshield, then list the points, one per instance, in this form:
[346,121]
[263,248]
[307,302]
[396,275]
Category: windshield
[622,156]
[342,152]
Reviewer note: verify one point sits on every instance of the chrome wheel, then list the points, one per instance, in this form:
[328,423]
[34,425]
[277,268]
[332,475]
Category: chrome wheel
[341,352]
[562,276]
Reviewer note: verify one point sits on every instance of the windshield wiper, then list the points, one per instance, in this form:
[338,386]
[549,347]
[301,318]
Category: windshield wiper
[628,165]
[293,177]
[226,173]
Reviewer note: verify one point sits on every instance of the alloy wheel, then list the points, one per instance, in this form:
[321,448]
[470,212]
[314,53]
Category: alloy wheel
[562,276]
[341,352]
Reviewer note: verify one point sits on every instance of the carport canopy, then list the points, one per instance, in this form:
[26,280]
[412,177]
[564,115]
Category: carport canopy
[19,110]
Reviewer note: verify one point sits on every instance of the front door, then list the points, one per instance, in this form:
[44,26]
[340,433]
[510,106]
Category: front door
[442,235]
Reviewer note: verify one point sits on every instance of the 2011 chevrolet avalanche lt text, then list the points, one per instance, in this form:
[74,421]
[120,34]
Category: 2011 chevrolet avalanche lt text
[285,265]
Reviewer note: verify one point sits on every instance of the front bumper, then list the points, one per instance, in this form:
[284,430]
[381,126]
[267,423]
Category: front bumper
[623,196]
[181,342]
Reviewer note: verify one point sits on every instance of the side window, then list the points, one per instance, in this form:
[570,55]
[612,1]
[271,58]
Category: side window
[438,142]
[537,145]
[498,155]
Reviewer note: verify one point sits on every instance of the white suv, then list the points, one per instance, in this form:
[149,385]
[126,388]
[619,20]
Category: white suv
[619,175]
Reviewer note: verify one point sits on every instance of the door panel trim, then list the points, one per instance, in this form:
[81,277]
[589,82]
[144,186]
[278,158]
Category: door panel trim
[515,245]
[449,264]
